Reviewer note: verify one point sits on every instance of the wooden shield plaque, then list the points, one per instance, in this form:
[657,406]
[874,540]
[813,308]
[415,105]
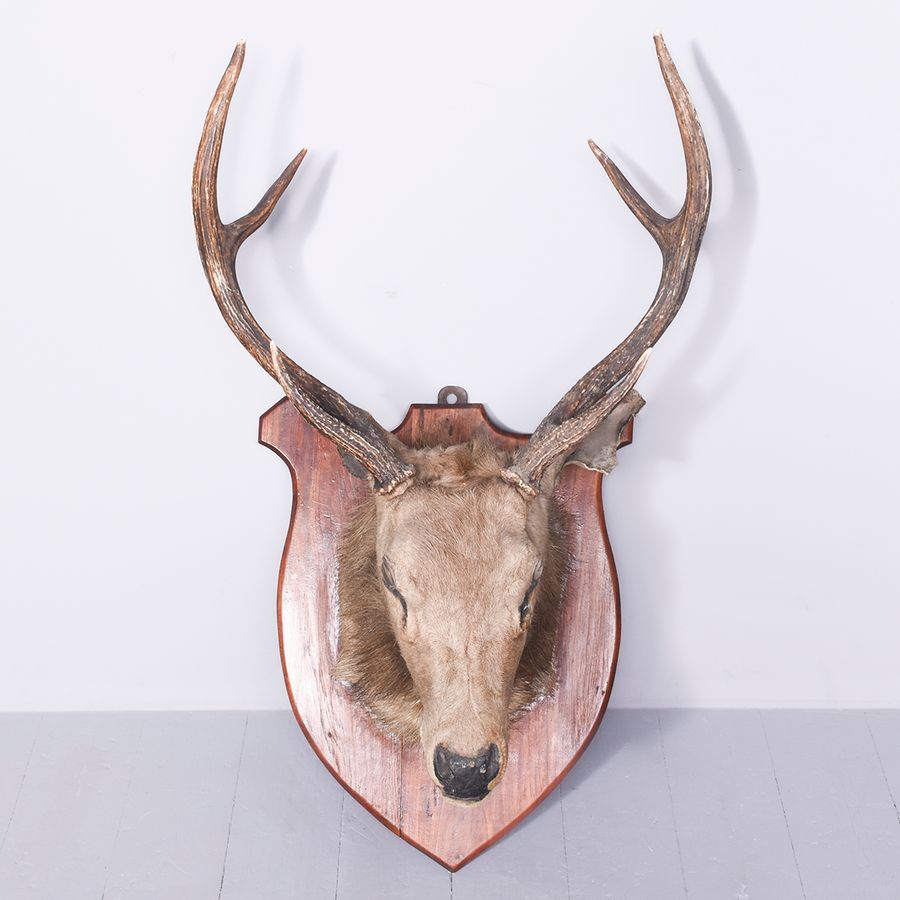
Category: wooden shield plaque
[390,779]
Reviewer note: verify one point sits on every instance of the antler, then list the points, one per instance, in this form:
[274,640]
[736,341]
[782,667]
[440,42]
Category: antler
[589,401]
[352,429]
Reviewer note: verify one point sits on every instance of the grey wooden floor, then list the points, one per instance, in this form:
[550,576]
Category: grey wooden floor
[717,804]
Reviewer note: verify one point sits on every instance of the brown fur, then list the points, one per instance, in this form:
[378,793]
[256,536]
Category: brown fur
[369,657]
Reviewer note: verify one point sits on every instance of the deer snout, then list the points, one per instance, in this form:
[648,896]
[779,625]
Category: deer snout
[466,777]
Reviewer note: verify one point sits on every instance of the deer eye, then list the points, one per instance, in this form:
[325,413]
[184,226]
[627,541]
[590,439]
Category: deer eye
[387,577]
[525,605]
[524,608]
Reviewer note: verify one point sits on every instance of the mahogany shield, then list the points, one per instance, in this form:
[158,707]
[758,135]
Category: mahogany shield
[389,779]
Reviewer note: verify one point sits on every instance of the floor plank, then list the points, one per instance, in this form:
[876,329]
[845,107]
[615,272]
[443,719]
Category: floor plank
[287,817]
[884,726]
[374,862]
[620,834]
[731,829]
[18,733]
[528,864]
[62,832]
[842,820]
[174,827]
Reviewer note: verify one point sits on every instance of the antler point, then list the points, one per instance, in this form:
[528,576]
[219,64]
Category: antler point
[597,151]
[662,51]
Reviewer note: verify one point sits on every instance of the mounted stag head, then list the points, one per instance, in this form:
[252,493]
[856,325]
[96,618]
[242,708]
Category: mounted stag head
[450,573]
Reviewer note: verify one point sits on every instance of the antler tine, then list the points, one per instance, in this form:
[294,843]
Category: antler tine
[572,432]
[644,213]
[679,241]
[352,429]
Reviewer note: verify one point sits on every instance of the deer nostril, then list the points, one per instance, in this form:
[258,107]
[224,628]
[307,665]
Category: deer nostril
[466,777]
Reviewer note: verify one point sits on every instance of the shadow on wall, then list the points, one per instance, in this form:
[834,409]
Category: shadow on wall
[389,374]
[682,400]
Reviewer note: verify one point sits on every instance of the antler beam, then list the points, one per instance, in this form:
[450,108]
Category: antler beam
[352,429]
[585,405]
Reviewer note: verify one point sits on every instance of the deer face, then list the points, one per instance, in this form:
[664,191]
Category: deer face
[459,568]
[445,573]
[449,589]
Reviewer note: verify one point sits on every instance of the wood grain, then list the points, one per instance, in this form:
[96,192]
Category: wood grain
[390,780]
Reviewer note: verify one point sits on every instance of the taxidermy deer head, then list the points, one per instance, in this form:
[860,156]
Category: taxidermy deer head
[449,575]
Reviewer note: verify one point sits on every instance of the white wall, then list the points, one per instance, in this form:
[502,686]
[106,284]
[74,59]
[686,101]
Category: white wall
[449,225]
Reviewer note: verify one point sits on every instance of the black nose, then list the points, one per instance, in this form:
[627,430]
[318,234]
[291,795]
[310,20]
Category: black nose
[466,777]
